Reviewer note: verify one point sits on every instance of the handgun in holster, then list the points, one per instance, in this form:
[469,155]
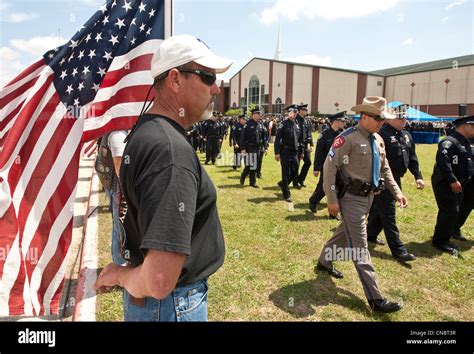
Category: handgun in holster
[381,186]
[342,183]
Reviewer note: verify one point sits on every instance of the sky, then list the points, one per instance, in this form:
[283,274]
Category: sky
[360,35]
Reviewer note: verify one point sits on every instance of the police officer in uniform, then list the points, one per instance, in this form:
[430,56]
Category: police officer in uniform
[325,140]
[356,168]
[212,135]
[288,150]
[307,138]
[263,149]
[453,171]
[235,133]
[252,141]
[401,155]
[467,204]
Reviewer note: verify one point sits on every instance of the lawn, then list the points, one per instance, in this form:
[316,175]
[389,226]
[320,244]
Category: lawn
[268,274]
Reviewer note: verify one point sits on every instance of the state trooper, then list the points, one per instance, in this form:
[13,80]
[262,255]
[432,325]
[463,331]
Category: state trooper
[401,155]
[288,150]
[325,140]
[355,169]
[453,171]
[235,133]
[252,141]
[307,139]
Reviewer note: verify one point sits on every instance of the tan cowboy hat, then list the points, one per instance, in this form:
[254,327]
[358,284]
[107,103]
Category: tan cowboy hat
[375,105]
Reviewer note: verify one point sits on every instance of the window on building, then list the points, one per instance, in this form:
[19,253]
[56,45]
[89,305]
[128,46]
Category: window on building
[278,106]
[254,90]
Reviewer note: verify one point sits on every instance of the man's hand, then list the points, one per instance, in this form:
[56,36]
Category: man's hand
[315,173]
[265,152]
[301,157]
[333,209]
[236,146]
[456,187]
[277,157]
[310,149]
[420,184]
[402,201]
[243,152]
[108,278]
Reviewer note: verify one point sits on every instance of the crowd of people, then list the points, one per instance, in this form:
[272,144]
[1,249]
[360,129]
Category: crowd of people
[171,238]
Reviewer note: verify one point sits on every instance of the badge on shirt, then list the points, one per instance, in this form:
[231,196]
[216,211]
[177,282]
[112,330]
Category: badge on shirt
[338,142]
[393,139]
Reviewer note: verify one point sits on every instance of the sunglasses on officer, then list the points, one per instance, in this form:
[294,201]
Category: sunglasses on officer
[377,118]
[207,77]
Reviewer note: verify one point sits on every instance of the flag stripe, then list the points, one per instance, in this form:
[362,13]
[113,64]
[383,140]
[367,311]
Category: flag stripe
[53,292]
[55,247]
[18,92]
[137,78]
[140,63]
[29,73]
[25,120]
[126,94]
[148,47]
[38,131]
[8,118]
[13,104]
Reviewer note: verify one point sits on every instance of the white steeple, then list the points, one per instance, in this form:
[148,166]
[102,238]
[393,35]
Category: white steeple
[278,48]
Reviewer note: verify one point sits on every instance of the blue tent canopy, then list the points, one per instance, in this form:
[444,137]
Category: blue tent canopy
[415,114]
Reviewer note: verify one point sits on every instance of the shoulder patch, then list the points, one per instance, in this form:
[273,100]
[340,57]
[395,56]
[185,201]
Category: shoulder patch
[338,142]
[280,125]
[446,144]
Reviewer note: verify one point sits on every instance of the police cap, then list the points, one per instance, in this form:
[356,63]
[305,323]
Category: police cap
[464,120]
[338,116]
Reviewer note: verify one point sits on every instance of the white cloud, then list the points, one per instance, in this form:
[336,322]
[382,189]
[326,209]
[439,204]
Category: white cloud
[455,3]
[330,10]
[93,3]
[9,65]
[37,46]
[18,17]
[408,41]
[444,19]
[310,59]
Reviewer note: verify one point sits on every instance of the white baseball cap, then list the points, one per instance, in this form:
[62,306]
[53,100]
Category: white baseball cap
[182,49]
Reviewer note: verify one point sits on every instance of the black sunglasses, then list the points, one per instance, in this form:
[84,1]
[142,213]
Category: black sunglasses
[377,118]
[207,77]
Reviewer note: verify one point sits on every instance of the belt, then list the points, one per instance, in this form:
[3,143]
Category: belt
[140,302]
[289,147]
[360,188]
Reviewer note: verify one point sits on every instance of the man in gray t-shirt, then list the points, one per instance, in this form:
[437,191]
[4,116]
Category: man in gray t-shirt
[173,233]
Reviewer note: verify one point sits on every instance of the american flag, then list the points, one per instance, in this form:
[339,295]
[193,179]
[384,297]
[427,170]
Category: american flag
[95,83]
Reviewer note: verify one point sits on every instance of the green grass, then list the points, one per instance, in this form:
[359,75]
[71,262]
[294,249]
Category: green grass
[268,273]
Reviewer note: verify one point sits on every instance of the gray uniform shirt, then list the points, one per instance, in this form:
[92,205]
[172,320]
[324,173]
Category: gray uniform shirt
[352,153]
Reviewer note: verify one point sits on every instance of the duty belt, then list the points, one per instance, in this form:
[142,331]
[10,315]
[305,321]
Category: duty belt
[289,147]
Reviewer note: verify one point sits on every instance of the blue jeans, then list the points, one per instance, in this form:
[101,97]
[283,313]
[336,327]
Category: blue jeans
[184,304]
[113,198]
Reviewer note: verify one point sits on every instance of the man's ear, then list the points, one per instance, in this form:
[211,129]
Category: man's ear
[175,80]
